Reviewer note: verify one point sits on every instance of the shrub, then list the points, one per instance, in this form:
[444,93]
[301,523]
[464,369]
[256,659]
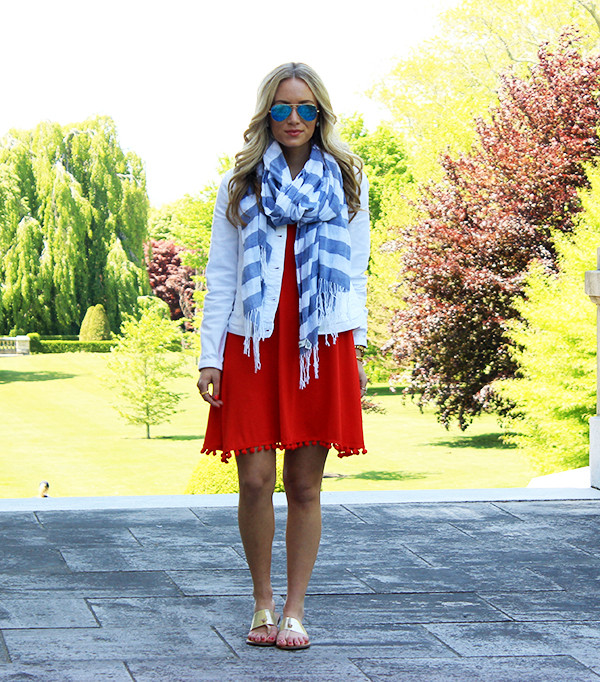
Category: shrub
[77,346]
[152,302]
[35,345]
[60,337]
[95,326]
[212,476]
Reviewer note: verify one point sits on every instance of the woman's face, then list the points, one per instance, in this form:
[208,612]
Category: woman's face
[294,132]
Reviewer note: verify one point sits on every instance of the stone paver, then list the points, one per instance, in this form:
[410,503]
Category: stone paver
[431,591]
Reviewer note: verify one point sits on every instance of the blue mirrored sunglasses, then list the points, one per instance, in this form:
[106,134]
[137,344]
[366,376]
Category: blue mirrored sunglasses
[307,112]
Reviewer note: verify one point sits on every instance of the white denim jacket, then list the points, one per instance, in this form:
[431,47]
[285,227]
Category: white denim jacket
[223,306]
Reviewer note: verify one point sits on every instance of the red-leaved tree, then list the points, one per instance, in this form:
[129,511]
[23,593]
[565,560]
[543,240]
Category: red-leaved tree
[464,263]
[170,280]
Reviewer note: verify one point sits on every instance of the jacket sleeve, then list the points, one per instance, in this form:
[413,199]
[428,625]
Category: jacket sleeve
[360,240]
[221,280]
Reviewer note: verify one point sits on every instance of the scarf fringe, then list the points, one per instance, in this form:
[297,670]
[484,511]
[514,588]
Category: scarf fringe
[328,297]
[305,361]
[254,333]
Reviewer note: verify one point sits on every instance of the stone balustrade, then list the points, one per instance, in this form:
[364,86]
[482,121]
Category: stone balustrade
[14,345]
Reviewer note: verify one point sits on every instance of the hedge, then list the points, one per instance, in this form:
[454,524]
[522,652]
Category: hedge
[212,476]
[77,346]
[43,345]
[59,337]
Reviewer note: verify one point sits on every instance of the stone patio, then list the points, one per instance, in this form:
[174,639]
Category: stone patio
[434,586]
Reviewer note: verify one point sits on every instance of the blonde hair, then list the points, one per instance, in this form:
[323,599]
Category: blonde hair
[258,137]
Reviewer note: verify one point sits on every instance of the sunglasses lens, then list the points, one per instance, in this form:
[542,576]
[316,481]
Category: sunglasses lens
[280,112]
[308,112]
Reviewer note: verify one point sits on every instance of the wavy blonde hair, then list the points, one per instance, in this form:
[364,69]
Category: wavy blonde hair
[258,137]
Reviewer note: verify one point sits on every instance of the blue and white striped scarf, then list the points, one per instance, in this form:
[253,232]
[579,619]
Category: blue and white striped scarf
[314,200]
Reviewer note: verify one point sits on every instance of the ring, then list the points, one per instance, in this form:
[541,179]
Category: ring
[205,393]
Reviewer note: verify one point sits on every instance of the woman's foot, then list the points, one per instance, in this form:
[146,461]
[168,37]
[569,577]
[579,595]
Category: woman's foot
[292,634]
[263,630]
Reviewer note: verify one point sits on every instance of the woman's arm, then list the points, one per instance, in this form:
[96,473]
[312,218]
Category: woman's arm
[221,280]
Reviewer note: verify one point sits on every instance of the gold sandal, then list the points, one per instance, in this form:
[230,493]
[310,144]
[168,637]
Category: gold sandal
[260,618]
[293,625]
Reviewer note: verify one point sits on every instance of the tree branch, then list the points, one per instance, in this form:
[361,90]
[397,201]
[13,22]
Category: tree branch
[590,7]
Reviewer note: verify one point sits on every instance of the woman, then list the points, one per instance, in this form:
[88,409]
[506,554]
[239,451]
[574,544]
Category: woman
[284,327]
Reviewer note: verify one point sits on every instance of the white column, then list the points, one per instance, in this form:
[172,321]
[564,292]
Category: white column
[22,345]
[592,289]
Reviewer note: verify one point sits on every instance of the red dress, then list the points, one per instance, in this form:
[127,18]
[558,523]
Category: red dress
[267,409]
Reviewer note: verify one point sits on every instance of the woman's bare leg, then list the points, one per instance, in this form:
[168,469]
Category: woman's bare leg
[302,476]
[256,474]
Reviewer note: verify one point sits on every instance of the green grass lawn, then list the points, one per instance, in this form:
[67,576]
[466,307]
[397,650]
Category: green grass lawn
[57,424]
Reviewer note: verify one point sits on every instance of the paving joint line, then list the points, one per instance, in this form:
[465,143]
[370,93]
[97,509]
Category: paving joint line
[364,582]
[541,575]
[133,535]
[408,549]
[440,640]
[356,663]
[581,549]
[460,530]
[220,636]
[506,511]
[4,648]
[129,671]
[172,581]
[85,599]
[496,608]
[343,506]
[206,525]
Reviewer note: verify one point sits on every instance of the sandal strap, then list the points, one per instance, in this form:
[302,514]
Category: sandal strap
[293,625]
[263,617]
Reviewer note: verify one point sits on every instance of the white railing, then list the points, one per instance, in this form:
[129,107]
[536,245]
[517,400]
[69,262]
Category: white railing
[14,345]
[592,289]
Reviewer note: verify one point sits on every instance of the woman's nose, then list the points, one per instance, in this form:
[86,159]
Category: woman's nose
[294,115]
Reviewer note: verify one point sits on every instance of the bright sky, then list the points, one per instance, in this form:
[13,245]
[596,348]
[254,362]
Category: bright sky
[179,77]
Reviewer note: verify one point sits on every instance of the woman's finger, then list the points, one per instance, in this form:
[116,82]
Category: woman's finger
[210,376]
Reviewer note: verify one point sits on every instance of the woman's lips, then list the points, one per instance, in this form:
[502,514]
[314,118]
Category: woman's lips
[293,133]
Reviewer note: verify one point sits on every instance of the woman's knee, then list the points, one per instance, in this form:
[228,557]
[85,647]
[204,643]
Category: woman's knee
[300,489]
[256,477]
[303,473]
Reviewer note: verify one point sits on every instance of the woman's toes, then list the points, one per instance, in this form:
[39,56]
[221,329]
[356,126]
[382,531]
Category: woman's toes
[259,635]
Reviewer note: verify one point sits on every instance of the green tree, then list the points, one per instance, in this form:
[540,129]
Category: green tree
[382,152]
[82,205]
[436,93]
[384,157]
[555,392]
[188,222]
[141,367]
[27,287]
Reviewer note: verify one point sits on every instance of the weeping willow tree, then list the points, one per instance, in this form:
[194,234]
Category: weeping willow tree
[73,217]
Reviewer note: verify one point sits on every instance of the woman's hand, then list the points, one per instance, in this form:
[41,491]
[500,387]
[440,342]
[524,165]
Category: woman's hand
[210,376]
[362,377]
